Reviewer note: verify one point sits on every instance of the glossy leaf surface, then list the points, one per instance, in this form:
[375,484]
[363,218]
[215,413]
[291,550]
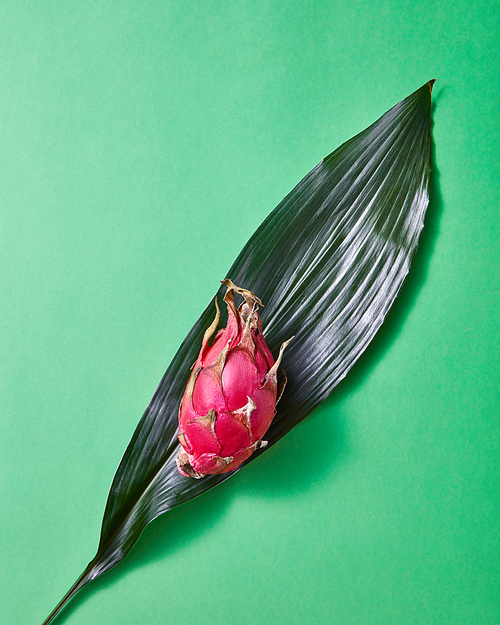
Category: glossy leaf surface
[327,263]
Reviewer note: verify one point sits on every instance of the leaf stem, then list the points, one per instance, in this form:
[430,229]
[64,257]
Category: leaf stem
[80,583]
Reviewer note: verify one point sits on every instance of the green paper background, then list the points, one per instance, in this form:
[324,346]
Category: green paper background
[141,143]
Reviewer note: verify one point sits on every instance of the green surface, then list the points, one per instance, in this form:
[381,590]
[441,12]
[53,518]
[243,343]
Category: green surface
[141,144]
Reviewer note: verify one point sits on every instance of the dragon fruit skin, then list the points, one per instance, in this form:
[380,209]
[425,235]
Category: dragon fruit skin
[230,399]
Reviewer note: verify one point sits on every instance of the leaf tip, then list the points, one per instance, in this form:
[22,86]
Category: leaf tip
[431,84]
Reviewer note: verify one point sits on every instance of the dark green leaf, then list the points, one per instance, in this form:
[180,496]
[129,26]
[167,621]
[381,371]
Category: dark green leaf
[328,263]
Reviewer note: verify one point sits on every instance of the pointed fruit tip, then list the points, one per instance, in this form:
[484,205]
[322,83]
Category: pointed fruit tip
[431,84]
[247,295]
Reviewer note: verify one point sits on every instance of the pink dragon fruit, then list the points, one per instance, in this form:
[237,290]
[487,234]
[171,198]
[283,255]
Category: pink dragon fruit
[230,399]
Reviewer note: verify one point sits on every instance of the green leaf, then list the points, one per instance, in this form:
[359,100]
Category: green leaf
[328,263]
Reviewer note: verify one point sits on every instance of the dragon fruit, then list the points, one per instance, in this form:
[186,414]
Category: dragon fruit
[230,399]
